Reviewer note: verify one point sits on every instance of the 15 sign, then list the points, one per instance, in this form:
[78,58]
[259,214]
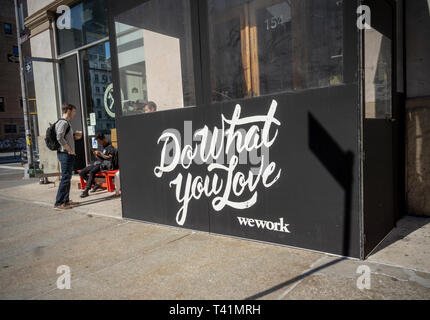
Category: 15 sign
[273,22]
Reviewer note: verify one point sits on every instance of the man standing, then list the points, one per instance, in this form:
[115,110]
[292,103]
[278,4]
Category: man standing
[66,154]
[104,162]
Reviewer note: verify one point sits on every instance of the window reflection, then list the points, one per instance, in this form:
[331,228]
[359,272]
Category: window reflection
[378,76]
[88,24]
[265,46]
[96,67]
[155,57]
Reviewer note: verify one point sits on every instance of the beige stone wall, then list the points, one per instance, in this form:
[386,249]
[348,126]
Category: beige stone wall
[418,106]
[46,97]
[35,5]
[418,156]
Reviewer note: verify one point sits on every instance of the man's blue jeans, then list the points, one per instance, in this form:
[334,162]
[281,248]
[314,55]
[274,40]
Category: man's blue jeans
[66,161]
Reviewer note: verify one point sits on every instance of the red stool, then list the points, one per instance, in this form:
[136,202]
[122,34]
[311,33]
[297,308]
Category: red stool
[108,175]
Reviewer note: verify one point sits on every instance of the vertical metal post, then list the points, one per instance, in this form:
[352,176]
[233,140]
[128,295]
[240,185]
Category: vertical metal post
[28,135]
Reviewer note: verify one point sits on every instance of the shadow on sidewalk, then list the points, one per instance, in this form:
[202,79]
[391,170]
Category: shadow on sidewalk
[293,280]
[94,201]
[404,227]
[340,164]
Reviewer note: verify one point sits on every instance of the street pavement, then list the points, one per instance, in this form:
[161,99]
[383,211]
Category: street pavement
[10,157]
[113,258]
[11,175]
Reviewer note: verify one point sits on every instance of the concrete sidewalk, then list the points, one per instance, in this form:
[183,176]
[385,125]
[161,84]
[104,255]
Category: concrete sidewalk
[45,195]
[111,258]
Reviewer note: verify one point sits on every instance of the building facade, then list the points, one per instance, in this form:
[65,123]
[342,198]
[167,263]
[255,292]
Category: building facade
[12,130]
[330,113]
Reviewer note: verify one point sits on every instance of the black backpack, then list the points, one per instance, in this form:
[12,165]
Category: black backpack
[51,136]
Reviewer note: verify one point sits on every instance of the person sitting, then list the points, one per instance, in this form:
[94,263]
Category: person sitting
[104,162]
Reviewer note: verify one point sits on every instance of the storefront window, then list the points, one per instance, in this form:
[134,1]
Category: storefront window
[88,24]
[260,47]
[155,57]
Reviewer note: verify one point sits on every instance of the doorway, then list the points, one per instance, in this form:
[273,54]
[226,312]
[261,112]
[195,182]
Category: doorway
[381,132]
[86,82]
[99,111]
[71,93]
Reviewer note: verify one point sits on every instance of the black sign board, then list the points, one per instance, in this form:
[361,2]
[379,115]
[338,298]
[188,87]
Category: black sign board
[286,172]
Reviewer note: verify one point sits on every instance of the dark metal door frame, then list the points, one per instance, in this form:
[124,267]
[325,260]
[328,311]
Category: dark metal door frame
[374,221]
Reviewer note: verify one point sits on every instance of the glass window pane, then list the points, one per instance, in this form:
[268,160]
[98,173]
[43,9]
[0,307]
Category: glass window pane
[378,76]
[88,24]
[7,28]
[155,56]
[9,128]
[260,47]
[100,107]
